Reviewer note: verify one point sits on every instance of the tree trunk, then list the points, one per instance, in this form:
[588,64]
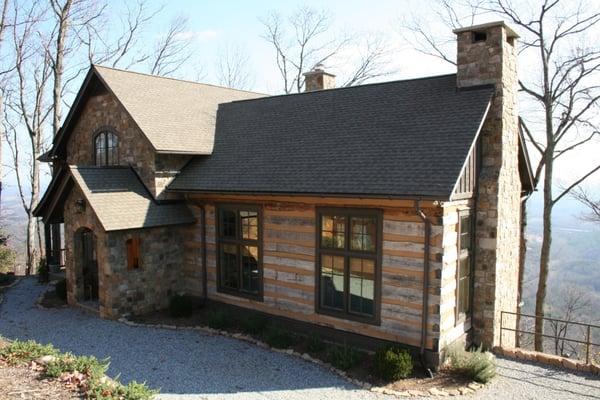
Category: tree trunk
[540,298]
[522,254]
[1,138]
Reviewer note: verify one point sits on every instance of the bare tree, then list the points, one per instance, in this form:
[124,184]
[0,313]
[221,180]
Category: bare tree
[591,203]
[562,91]
[232,67]
[28,104]
[305,39]
[3,24]
[573,307]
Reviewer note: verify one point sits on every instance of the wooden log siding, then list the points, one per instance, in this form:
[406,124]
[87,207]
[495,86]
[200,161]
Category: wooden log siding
[451,329]
[289,269]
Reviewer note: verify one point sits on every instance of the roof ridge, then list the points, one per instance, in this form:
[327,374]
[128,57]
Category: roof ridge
[176,79]
[314,92]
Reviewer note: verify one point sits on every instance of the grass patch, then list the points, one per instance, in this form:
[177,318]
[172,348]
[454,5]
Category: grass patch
[344,357]
[97,386]
[477,364]
[392,363]
[278,338]
[21,352]
[88,365]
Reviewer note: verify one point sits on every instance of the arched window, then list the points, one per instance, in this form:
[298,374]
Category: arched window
[106,148]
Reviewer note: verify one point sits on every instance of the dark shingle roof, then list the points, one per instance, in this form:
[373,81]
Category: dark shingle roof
[403,138]
[120,200]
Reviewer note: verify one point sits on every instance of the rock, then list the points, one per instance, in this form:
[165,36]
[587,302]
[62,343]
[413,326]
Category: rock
[437,392]
[454,392]
[417,393]
[45,360]
[474,386]
[367,386]
[465,390]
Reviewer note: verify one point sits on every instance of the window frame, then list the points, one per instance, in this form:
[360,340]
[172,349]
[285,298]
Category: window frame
[348,253]
[136,242]
[461,254]
[105,131]
[239,241]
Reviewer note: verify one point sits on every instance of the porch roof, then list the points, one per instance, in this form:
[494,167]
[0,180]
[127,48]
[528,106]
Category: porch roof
[118,198]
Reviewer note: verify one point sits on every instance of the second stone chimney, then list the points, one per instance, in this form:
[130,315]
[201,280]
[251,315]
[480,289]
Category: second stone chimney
[318,79]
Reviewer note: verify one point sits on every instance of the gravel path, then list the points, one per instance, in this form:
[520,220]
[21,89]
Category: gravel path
[192,365]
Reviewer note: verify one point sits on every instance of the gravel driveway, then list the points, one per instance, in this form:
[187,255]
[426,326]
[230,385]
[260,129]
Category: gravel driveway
[193,365]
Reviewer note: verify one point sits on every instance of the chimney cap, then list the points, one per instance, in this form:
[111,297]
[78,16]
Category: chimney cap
[318,69]
[509,31]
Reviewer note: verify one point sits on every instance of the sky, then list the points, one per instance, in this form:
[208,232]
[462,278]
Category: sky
[216,25]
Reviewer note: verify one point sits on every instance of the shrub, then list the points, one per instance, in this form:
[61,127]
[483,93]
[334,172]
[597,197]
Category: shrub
[16,352]
[6,279]
[392,363]
[478,365]
[88,365]
[253,324]
[181,306]
[344,357]
[7,255]
[43,271]
[315,344]
[219,319]
[278,338]
[61,289]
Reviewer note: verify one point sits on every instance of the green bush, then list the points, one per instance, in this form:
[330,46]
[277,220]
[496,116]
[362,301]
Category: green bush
[477,364]
[314,343]
[43,271]
[88,365]
[61,289]
[7,255]
[6,279]
[253,324]
[344,357]
[392,363]
[108,390]
[16,352]
[278,338]
[181,306]
[219,319]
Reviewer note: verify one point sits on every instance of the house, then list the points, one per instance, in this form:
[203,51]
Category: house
[387,210]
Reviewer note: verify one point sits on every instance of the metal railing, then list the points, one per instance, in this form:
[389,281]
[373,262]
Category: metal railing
[587,328]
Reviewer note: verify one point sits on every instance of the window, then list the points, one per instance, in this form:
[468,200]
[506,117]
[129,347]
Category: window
[106,148]
[239,269]
[133,253]
[463,273]
[348,258]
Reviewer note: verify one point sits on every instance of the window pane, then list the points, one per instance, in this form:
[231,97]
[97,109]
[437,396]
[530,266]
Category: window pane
[363,233]
[332,281]
[249,220]
[229,266]
[362,285]
[228,224]
[464,267]
[333,230]
[465,232]
[463,295]
[250,275]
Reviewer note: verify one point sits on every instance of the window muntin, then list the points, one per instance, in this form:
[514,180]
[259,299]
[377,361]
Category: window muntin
[133,253]
[348,246]
[239,267]
[463,272]
[106,145]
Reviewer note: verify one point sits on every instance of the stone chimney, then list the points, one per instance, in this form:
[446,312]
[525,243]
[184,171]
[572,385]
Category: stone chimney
[318,79]
[487,55]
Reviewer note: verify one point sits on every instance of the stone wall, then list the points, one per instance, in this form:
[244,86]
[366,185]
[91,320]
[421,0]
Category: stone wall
[149,287]
[493,61]
[102,111]
[123,291]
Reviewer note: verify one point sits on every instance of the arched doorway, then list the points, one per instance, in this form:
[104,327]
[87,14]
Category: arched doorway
[86,265]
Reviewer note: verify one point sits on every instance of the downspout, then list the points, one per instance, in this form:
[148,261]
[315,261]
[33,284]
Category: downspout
[203,234]
[426,269]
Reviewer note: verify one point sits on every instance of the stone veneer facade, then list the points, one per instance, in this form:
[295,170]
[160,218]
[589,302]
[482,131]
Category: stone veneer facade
[493,61]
